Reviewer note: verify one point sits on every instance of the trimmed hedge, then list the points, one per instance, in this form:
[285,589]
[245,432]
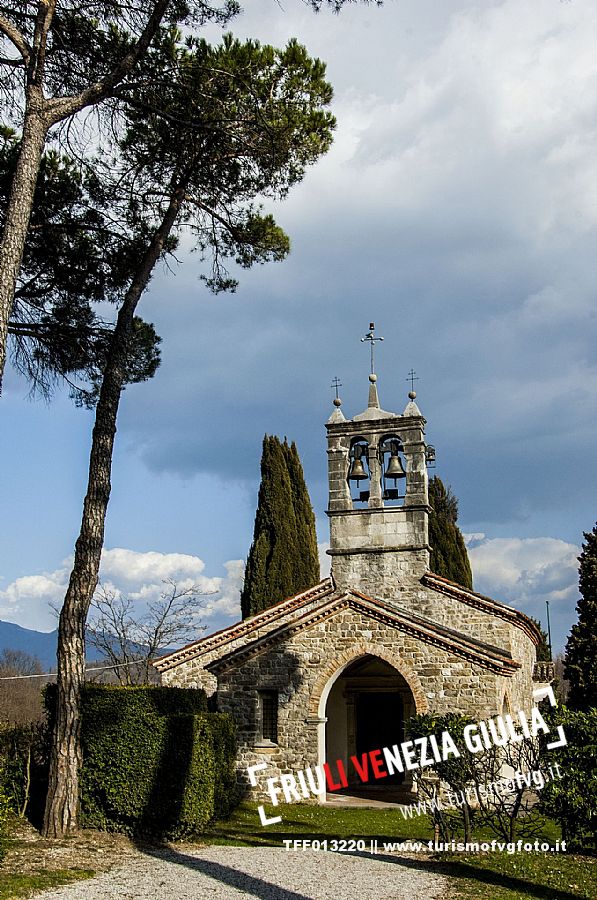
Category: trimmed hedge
[155,762]
[160,700]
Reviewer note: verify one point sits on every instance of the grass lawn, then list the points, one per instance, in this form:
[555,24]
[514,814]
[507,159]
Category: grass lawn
[309,820]
[545,876]
[496,876]
[14,885]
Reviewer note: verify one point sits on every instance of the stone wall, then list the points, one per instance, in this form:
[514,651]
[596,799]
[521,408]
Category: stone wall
[521,688]
[300,669]
[386,572]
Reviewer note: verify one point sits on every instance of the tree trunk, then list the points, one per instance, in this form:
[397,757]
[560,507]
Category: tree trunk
[61,816]
[467,823]
[19,208]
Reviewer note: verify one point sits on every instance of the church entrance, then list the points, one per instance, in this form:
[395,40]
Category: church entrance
[379,722]
[366,709]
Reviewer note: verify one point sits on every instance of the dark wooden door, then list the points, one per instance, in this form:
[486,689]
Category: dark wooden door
[379,723]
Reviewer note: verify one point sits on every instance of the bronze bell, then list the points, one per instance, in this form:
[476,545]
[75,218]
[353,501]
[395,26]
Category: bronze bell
[357,470]
[395,468]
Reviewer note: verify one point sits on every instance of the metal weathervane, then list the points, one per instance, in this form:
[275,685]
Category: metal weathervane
[370,336]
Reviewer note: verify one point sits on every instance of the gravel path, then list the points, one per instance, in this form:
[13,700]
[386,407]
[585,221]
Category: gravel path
[263,872]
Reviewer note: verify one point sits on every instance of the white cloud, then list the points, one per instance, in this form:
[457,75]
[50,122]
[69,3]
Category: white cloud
[227,602]
[325,561]
[132,566]
[527,572]
[28,600]
[523,570]
[473,538]
[483,108]
[459,197]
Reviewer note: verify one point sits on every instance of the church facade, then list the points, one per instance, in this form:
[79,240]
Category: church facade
[338,669]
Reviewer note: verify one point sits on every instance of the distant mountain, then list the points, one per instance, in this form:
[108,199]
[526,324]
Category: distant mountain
[41,644]
[37,643]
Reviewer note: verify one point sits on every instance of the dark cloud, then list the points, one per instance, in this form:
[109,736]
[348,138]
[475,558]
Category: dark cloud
[456,210]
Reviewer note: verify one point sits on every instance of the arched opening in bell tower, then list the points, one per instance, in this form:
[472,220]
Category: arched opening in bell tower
[359,474]
[392,464]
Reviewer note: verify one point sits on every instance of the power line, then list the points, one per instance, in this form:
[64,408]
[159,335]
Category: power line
[55,674]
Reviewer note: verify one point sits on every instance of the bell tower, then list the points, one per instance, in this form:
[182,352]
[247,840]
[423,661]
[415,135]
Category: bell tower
[378,501]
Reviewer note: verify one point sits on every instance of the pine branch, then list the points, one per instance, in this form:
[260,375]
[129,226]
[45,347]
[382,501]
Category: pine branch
[16,38]
[62,107]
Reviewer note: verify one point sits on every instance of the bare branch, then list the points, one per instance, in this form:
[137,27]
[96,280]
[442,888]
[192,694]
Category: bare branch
[136,639]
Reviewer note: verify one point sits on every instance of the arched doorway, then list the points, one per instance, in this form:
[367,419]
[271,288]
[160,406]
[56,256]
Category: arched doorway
[366,709]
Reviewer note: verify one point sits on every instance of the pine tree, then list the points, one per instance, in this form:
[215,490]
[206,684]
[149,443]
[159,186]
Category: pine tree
[448,551]
[580,663]
[283,557]
[236,138]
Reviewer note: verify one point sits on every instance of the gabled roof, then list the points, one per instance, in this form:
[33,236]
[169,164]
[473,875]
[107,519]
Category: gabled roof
[324,600]
[496,659]
[242,629]
[480,601]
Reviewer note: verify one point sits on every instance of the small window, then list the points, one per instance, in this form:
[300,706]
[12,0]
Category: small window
[268,716]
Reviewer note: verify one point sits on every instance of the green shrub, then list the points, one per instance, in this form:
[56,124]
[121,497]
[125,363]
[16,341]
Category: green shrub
[155,762]
[457,772]
[572,799]
[157,699]
[226,793]
[508,812]
[23,777]
[5,812]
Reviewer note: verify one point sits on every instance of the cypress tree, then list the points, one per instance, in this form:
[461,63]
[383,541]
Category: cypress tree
[283,557]
[580,662]
[543,651]
[306,563]
[448,551]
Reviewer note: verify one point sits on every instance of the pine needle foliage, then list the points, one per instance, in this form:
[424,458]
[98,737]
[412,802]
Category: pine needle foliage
[580,663]
[283,558]
[448,551]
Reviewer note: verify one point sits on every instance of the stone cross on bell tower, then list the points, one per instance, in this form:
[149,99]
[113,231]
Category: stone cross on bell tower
[378,502]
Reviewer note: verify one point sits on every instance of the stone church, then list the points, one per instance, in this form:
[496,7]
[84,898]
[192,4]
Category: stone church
[340,668]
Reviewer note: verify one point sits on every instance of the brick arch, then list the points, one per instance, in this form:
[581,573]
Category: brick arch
[340,662]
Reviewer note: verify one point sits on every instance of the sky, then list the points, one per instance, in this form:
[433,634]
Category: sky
[457,209]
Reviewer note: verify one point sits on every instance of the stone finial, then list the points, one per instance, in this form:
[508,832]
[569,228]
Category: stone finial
[337,415]
[373,410]
[411,408]
[373,398]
